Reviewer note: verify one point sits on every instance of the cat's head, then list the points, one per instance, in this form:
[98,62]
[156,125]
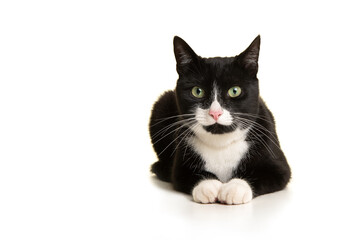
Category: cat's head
[215,92]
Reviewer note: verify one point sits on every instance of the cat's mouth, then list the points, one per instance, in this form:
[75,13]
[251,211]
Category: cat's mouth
[218,128]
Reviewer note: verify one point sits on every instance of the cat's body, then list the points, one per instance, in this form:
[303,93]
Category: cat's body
[214,136]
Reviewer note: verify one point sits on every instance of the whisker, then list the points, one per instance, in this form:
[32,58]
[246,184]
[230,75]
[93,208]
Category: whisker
[166,128]
[259,126]
[256,128]
[173,141]
[256,116]
[194,130]
[188,132]
[261,140]
[176,129]
[275,143]
[167,118]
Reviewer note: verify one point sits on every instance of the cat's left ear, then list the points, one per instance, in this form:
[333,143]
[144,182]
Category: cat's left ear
[248,59]
[185,56]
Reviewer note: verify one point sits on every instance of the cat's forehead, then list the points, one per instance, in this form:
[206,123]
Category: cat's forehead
[219,62]
[219,68]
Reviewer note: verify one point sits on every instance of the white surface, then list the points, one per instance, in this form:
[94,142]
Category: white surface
[77,81]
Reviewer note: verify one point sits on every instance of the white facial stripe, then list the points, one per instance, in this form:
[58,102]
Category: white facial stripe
[215,93]
[215,106]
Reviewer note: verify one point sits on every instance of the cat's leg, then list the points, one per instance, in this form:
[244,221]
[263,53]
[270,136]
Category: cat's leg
[206,191]
[163,122]
[269,175]
[257,178]
[236,191]
[190,177]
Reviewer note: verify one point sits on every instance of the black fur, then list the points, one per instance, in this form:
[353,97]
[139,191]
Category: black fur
[264,167]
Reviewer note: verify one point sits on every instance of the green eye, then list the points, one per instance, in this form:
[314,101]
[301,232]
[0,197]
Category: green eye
[234,91]
[197,92]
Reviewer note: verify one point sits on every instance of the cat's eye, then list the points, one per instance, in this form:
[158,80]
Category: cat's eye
[234,91]
[197,92]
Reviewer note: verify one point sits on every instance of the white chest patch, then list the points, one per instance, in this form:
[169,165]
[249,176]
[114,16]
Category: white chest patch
[221,152]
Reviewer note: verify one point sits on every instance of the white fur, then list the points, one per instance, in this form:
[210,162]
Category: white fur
[221,152]
[237,191]
[206,191]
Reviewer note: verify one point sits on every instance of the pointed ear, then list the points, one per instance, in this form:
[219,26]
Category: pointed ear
[185,56]
[249,58]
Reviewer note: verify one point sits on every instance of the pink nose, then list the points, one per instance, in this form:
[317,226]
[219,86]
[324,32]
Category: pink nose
[215,114]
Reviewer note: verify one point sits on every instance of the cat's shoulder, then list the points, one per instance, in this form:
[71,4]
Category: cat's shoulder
[166,104]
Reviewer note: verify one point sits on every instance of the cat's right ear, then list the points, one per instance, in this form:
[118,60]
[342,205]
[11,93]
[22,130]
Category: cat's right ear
[249,58]
[185,56]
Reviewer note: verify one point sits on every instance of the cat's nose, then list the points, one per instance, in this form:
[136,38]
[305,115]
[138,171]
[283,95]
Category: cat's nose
[215,113]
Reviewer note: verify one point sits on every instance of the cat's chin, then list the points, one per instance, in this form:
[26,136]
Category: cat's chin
[219,129]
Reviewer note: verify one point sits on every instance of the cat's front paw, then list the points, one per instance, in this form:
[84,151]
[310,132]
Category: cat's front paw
[206,191]
[236,191]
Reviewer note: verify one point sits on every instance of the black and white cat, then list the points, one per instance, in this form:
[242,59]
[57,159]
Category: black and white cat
[214,136]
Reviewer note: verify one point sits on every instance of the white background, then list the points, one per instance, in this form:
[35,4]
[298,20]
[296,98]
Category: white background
[77,82]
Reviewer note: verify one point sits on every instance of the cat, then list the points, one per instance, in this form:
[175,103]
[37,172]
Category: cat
[214,136]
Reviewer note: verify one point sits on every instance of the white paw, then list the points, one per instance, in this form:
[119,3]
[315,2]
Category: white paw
[206,191]
[237,191]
